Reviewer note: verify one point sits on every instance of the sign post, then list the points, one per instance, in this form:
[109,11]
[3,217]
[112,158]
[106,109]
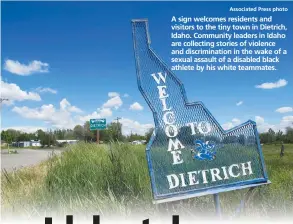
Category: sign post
[189,153]
[98,137]
[217,205]
[98,124]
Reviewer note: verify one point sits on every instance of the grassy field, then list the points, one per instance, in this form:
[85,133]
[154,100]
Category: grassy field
[113,179]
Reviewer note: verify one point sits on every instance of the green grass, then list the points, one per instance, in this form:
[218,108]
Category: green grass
[114,179]
[10,148]
[19,148]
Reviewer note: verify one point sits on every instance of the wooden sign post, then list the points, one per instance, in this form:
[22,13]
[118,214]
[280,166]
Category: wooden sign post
[97,125]
[98,137]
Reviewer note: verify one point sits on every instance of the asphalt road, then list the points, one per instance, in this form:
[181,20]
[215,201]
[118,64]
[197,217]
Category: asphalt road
[24,158]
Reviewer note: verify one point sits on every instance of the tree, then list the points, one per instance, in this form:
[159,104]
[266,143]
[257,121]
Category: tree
[69,135]
[88,134]
[40,134]
[231,139]
[241,139]
[114,132]
[148,134]
[104,135]
[271,136]
[135,137]
[185,136]
[60,134]
[279,136]
[24,137]
[289,135]
[250,140]
[78,132]
[13,134]
[264,138]
[6,136]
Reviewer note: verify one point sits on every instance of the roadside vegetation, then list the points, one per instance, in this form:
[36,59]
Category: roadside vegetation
[113,179]
[82,133]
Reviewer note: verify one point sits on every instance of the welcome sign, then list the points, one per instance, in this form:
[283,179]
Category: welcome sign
[189,153]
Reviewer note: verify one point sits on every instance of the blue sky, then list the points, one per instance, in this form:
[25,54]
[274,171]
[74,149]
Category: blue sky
[84,51]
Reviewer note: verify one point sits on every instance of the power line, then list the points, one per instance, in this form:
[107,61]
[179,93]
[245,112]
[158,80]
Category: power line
[117,119]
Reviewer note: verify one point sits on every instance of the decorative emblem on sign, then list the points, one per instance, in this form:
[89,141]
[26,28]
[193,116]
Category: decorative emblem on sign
[204,151]
[181,127]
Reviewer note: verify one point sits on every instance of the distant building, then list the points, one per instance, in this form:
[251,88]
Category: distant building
[67,141]
[24,144]
[35,143]
[138,142]
[21,144]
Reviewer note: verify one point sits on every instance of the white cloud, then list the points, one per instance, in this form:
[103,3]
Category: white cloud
[236,121]
[272,85]
[125,95]
[100,113]
[113,94]
[259,120]
[65,105]
[17,68]
[27,129]
[58,118]
[115,102]
[135,106]
[233,123]
[227,126]
[284,109]
[13,92]
[46,90]
[63,116]
[105,112]
[287,121]
[262,126]
[74,109]
[129,126]
[239,103]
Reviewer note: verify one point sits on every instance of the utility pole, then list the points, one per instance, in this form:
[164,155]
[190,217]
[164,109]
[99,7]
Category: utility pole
[50,138]
[117,119]
[98,136]
[48,134]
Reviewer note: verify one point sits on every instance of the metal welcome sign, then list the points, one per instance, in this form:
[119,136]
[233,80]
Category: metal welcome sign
[189,153]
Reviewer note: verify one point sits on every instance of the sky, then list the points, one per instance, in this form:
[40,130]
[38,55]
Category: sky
[66,62]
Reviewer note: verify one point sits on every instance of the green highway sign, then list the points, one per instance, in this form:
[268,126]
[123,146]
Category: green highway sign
[97,124]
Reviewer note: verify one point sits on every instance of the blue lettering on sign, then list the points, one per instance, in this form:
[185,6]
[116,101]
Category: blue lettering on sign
[220,159]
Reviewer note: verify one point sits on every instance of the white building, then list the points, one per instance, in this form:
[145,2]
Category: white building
[138,142]
[67,141]
[21,144]
[35,143]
